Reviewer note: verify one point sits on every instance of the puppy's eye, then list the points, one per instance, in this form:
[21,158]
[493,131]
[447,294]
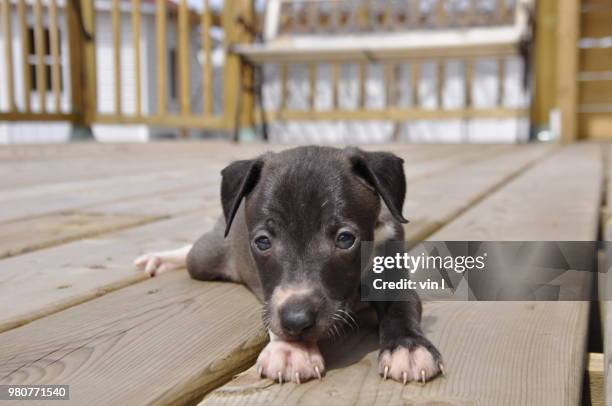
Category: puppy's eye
[345,240]
[263,243]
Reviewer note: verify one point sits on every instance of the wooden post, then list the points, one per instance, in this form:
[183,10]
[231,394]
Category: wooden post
[207,73]
[312,85]
[8,52]
[236,78]
[116,27]
[89,52]
[25,53]
[183,58]
[568,33]
[136,43]
[39,46]
[82,66]
[160,35]
[55,55]
[545,64]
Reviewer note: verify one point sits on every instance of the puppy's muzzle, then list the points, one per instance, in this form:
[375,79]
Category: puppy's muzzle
[297,317]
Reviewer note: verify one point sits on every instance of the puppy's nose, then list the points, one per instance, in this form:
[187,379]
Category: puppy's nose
[295,320]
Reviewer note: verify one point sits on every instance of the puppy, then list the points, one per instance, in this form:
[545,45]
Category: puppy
[292,231]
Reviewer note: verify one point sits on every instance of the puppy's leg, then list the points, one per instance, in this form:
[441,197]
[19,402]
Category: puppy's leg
[290,361]
[405,353]
[155,263]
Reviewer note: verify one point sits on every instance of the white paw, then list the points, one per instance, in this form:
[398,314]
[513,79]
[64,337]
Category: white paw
[285,361]
[404,365]
[155,263]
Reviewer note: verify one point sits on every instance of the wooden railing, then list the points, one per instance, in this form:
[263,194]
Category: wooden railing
[436,44]
[322,17]
[58,44]
[71,62]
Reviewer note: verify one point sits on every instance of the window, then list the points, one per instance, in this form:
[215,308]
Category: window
[47,60]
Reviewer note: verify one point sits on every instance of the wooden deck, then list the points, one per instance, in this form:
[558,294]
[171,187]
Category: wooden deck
[74,311]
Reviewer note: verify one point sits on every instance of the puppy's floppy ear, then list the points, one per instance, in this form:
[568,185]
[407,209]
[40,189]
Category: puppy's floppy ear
[238,180]
[383,171]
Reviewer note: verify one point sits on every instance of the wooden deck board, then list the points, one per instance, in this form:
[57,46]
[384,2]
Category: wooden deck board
[63,282]
[40,283]
[529,353]
[164,341]
[180,197]
[88,365]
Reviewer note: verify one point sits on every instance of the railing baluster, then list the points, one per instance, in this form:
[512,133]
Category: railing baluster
[501,74]
[25,54]
[440,13]
[183,56]
[8,52]
[335,73]
[362,84]
[39,46]
[441,68]
[468,73]
[415,13]
[415,73]
[282,77]
[390,84]
[312,85]
[136,34]
[207,83]
[55,55]
[116,26]
[160,21]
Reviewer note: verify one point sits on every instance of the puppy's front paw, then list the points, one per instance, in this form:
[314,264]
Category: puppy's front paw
[416,363]
[285,361]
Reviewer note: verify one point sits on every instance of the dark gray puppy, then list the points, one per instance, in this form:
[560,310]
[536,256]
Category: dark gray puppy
[292,231]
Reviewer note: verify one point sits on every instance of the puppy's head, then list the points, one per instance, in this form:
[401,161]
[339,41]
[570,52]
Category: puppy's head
[307,211]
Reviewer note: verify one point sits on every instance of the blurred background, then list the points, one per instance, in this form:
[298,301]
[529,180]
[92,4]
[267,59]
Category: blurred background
[305,71]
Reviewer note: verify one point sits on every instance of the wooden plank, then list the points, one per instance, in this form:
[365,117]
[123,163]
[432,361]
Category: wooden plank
[117,339]
[116,27]
[595,375]
[88,19]
[186,374]
[470,335]
[207,77]
[501,80]
[312,85]
[396,114]
[545,62]
[596,125]
[7,33]
[26,202]
[25,53]
[568,32]
[160,35]
[55,55]
[596,23]
[183,57]
[595,92]
[40,283]
[136,37]
[39,47]
[596,60]
[57,228]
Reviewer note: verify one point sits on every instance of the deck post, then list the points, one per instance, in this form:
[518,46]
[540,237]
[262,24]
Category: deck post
[238,101]
[82,68]
[568,34]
